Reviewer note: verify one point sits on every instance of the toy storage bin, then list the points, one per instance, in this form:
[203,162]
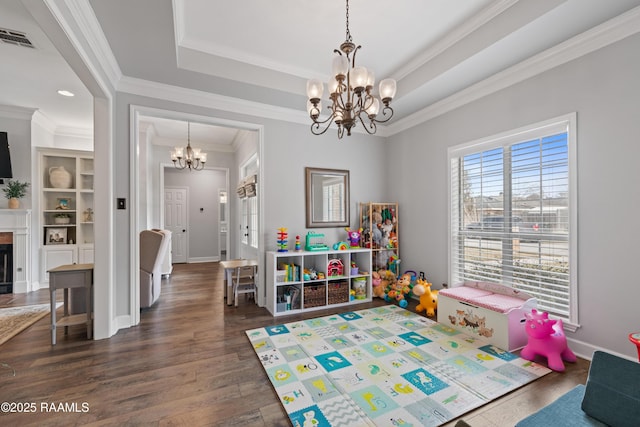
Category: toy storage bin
[490,311]
[315,295]
[338,292]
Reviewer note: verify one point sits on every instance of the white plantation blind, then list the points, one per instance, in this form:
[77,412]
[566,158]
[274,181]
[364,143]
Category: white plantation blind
[512,206]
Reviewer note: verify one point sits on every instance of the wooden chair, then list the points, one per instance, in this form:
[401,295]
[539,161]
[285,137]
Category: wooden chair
[244,282]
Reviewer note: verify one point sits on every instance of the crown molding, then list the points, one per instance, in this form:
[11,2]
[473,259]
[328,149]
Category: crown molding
[610,32]
[44,122]
[73,132]
[471,25]
[201,98]
[15,112]
[81,26]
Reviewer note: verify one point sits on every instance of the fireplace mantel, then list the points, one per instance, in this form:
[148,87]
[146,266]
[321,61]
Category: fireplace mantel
[18,222]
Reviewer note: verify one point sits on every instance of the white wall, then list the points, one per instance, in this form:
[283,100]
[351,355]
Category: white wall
[203,210]
[290,148]
[604,90]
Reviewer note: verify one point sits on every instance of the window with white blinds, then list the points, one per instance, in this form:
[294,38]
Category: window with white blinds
[513,213]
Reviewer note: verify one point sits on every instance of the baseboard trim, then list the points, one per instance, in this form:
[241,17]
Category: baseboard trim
[585,350]
[203,259]
[123,322]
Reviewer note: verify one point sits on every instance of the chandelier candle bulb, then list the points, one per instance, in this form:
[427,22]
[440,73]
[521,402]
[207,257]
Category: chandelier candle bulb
[371,79]
[314,89]
[340,67]
[333,86]
[359,76]
[387,90]
[372,110]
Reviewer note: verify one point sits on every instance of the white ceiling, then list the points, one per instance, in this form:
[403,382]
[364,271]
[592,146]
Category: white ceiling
[264,51]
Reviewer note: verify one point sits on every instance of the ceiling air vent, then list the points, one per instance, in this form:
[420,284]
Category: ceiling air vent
[15,37]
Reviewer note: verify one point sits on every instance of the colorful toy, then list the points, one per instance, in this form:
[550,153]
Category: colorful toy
[298,248]
[314,242]
[359,285]
[340,246]
[399,290]
[354,268]
[428,298]
[394,264]
[354,237]
[546,338]
[310,274]
[282,239]
[376,283]
[335,267]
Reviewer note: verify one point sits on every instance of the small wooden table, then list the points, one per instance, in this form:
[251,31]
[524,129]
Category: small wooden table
[65,277]
[229,266]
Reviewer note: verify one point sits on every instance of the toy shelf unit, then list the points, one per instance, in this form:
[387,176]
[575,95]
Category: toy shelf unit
[65,206]
[379,223]
[312,280]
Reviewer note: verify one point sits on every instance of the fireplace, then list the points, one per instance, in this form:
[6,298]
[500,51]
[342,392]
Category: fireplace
[15,256]
[6,268]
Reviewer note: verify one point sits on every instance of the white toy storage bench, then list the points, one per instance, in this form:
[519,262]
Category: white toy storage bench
[489,310]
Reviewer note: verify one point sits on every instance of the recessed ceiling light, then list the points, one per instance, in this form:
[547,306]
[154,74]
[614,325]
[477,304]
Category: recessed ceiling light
[65,93]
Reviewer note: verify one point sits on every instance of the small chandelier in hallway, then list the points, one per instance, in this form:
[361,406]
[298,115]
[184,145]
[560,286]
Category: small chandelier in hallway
[188,157]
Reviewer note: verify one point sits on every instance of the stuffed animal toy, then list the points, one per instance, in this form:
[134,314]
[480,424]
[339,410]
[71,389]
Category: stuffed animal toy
[546,338]
[376,234]
[376,282]
[354,237]
[388,279]
[428,298]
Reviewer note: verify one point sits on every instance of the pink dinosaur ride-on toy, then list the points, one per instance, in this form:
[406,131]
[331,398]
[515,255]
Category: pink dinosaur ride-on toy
[546,338]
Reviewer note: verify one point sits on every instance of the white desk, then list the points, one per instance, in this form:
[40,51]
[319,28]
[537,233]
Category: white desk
[229,267]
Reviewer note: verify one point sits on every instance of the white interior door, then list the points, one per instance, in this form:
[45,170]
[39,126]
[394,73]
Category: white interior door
[222,223]
[175,220]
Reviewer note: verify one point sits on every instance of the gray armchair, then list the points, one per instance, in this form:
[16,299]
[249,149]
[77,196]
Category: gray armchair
[152,249]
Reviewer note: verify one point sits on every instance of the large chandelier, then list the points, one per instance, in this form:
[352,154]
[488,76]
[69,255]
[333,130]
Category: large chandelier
[188,157]
[350,92]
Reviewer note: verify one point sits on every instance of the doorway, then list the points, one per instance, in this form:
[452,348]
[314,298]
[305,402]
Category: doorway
[191,211]
[222,224]
[150,158]
[175,220]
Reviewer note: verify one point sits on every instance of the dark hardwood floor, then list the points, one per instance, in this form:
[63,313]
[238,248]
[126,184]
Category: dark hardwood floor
[187,363]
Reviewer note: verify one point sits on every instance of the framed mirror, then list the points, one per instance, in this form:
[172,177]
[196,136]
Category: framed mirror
[327,197]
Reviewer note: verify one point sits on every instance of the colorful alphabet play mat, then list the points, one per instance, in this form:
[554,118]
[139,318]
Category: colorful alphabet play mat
[383,366]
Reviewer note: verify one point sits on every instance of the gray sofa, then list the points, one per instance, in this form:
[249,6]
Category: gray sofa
[611,397]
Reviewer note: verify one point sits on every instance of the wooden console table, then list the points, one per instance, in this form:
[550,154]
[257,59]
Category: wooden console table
[65,277]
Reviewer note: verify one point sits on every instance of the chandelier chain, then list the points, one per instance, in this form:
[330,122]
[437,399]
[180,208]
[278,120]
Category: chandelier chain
[348,33]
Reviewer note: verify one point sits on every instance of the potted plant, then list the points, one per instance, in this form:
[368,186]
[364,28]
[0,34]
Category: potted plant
[14,191]
[62,218]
